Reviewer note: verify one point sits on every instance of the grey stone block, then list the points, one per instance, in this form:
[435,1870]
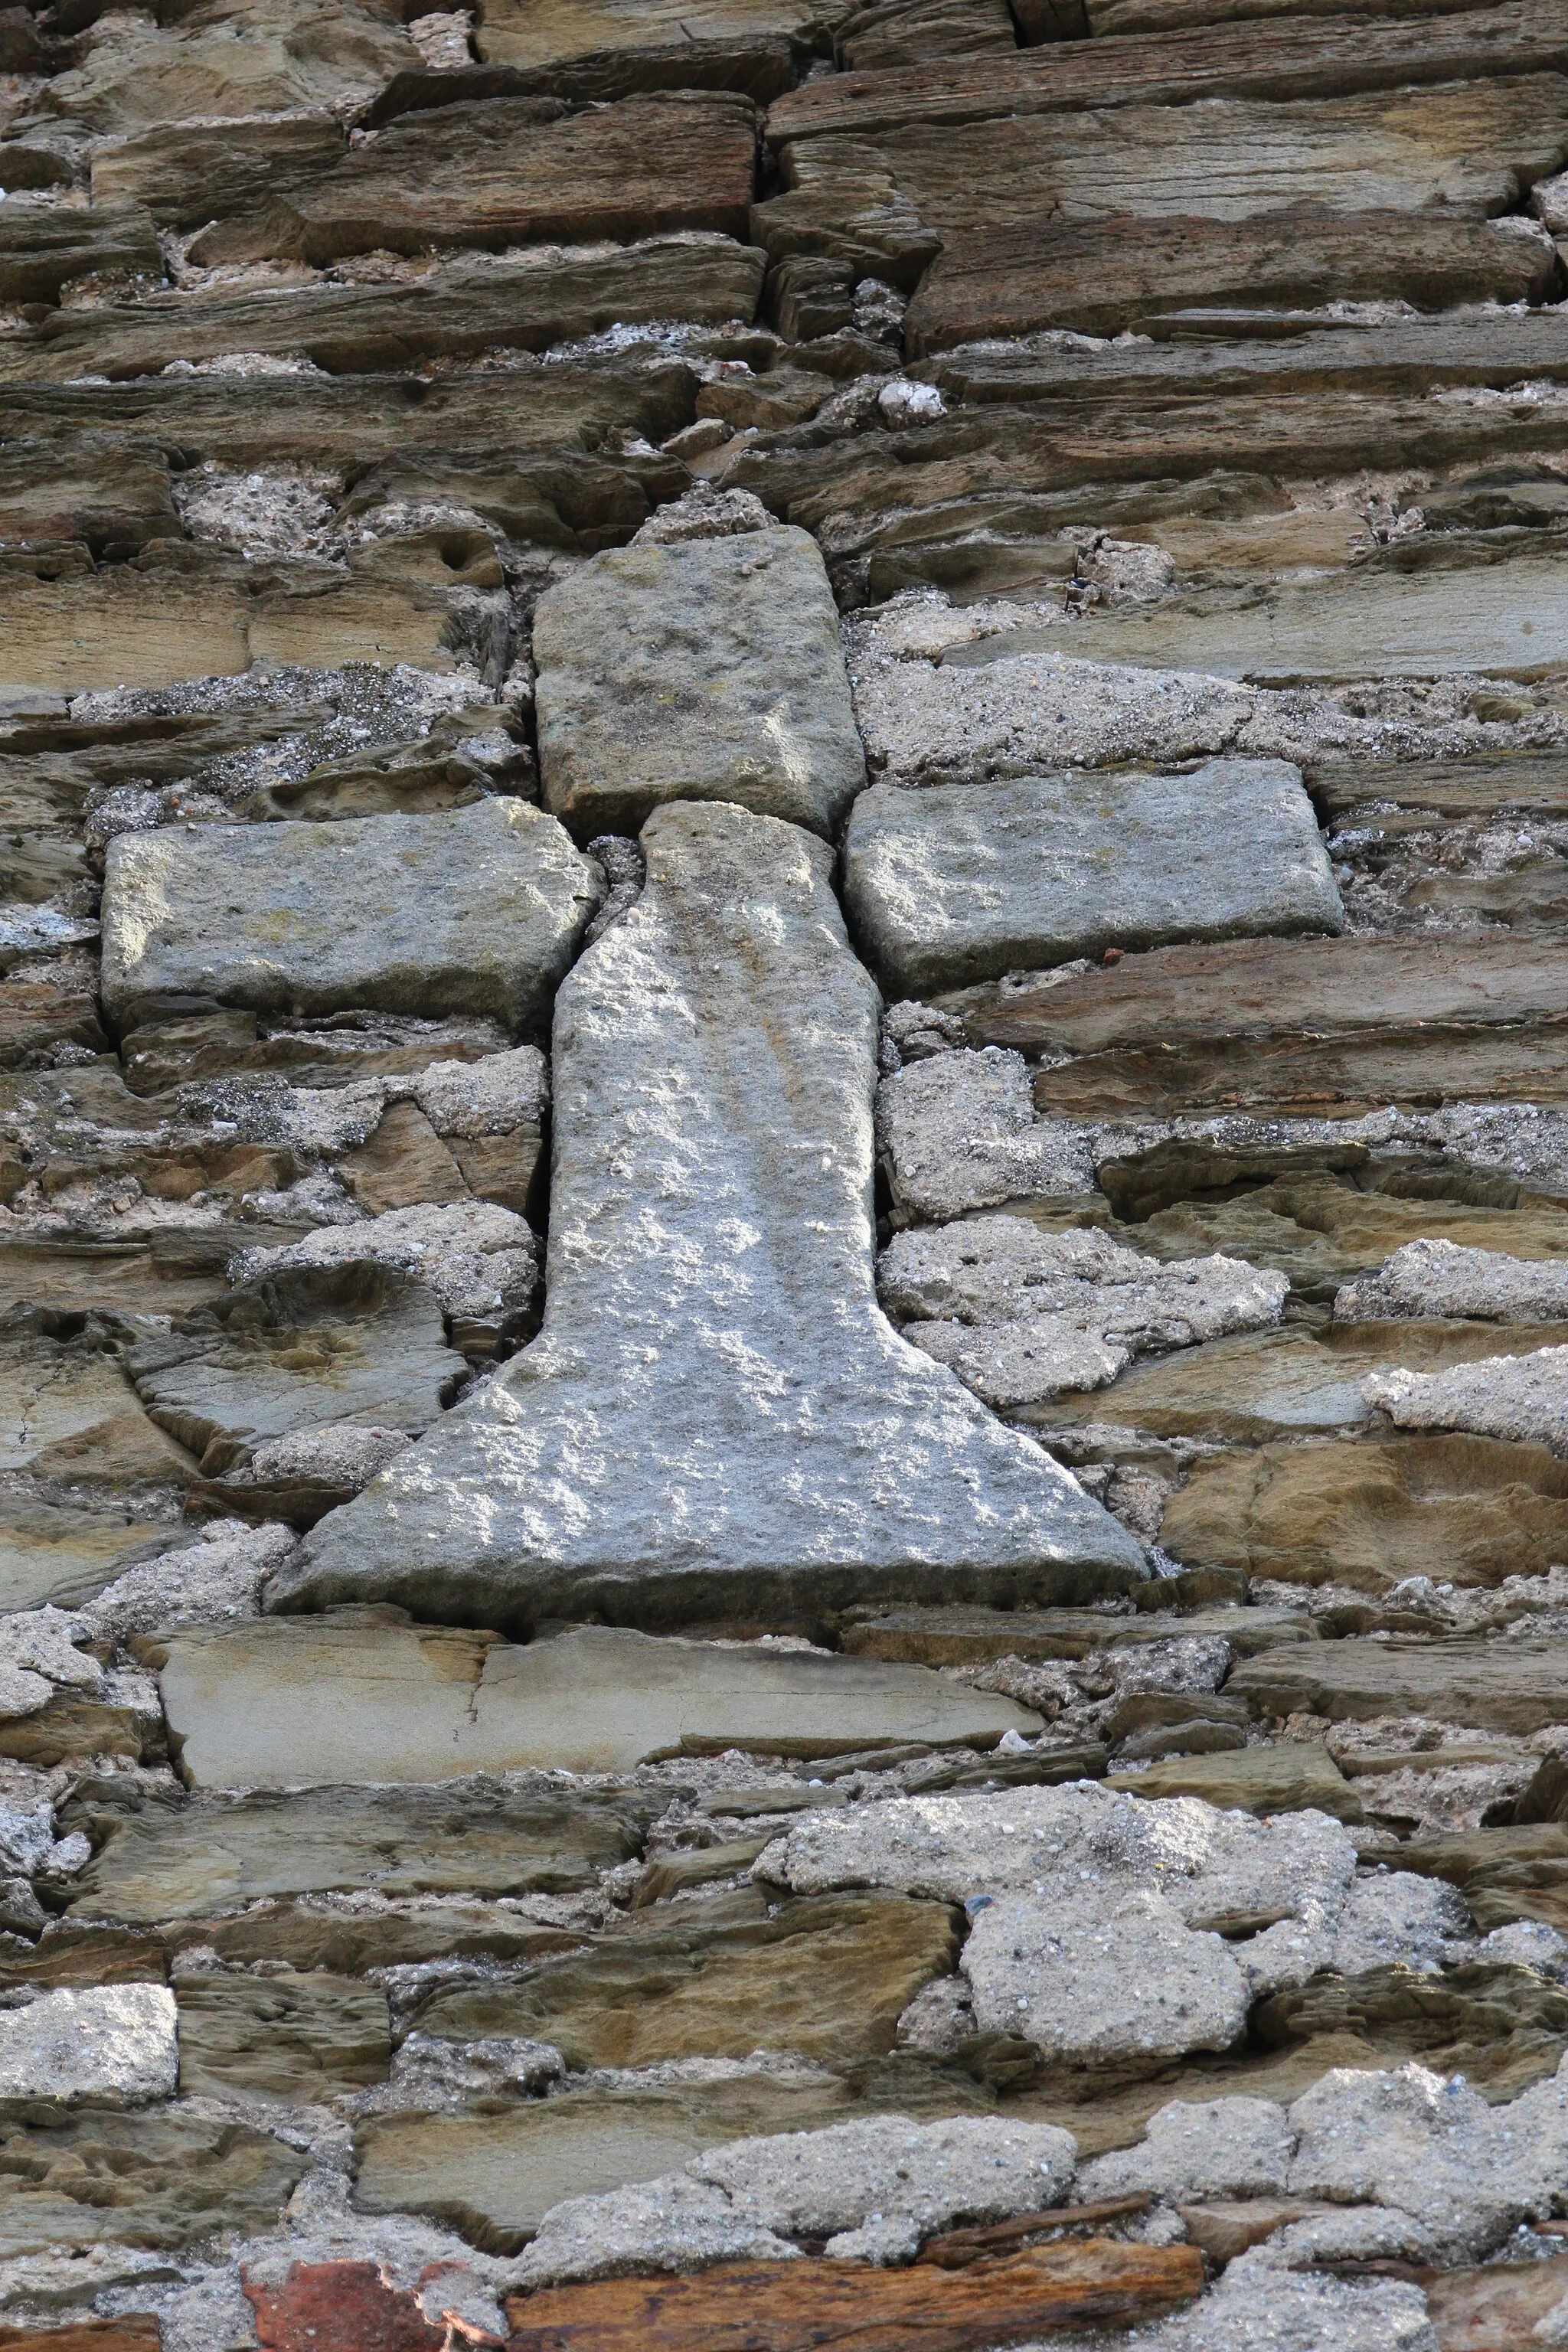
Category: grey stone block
[716,1417]
[477,909]
[964,882]
[708,670]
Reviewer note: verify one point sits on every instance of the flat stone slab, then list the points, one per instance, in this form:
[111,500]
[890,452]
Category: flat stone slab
[163,2180]
[716,1418]
[475,909]
[706,670]
[1519,1685]
[963,882]
[827,1978]
[192,1858]
[279,1702]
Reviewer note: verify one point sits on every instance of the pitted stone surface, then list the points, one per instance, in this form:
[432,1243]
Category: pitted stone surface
[106,2045]
[1520,1396]
[698,669]
[1021,1314]
[1093,1979]
[1220,2147]
[1437,1277]
[1433,2147]
[973,2168]
[963,882]
[716,1414]
[475,909]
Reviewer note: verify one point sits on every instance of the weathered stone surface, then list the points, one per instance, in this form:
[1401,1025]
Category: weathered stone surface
[1467,1509]
[205,1856]
[496,174]
[70,1413]
[1295,1777]
[1501,2027]
[879,1472]
[965,882]
[496,2176]
[109,2045]
[1021,1315]
[1222,2147]
[477,911]
[1089,1981]
[1468,146]
[302,2038]
[356,1348]
[708,670]
[1299,1382]
[160,2180]
[1298,57]
[546,41]
[1043,2290]
[279,1703]
[41,247]
[187,173]
[478,1259]
[956,1637]
[1502,1396]
[1516,1685]
[463,310]
[829,1978]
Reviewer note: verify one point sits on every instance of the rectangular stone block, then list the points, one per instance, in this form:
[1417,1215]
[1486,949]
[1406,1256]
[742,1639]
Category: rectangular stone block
[705,670]
[964,882]
[475,909]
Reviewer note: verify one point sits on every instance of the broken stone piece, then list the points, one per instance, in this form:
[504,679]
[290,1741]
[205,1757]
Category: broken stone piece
[1091,1981]
[1021,1314]
[1216,2148]
[716,1416]
[963,882]
[475,909]
[479,1259]
[279,1702]
[1502,1396]
[104,2045]
[1441,1278]
[701,669]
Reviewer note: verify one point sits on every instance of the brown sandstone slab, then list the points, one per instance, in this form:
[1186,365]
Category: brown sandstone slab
[454,312]
[1194,1028]
[43,245]
[543,41]
[964,1637]
[111,498]
[151,2181]
[244,423]
[1465,1511]
[303,2037]
[1094,2282]
[185,173]
[1517,1685]
[496,175]
[1104,276]
[1470,148]
[1287,1779]
[190,1859]
[1500,2026]
[1505,1874]
[829,1978]
[1310,53]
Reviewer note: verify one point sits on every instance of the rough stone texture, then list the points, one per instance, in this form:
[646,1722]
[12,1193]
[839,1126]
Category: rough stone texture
[206,1856]
[475,910]
[279,1703]
[1224,2147]
[1092,1980]
[879,1473]
[1523,1397]
[705,669]
[1441,1278]
[826,1977]
[1021,1314]
[480,1260]
[107,2045]
[964,882]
